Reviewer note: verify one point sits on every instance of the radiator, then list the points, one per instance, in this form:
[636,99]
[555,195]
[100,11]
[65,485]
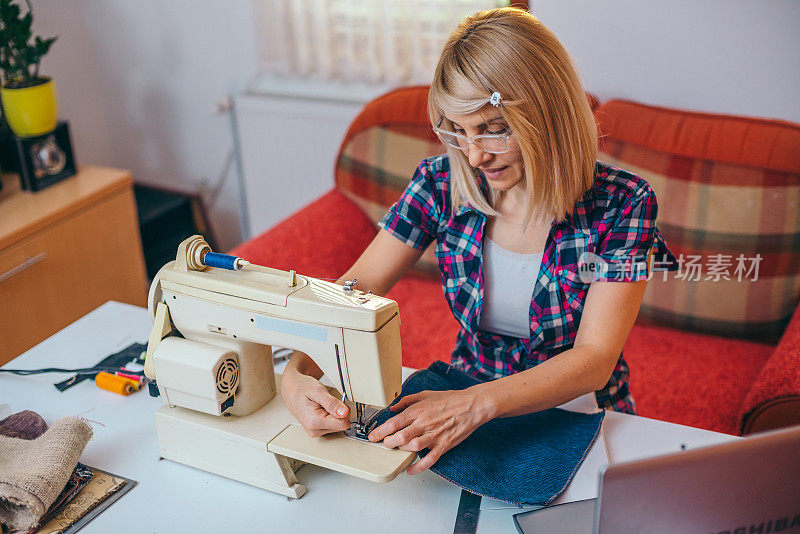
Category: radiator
[288,136]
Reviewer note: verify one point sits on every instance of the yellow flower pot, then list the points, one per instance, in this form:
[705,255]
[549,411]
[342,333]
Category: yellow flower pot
[31,111]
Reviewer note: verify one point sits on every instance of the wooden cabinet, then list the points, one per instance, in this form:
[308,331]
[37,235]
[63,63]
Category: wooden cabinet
[63,252]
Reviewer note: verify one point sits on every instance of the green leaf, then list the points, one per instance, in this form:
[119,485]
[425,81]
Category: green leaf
[25,24]
[30,55]
[43,45]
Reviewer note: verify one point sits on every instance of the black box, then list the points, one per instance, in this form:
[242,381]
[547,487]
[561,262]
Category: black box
[45,159]
[167,217]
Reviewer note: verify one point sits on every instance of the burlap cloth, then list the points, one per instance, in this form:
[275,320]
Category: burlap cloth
[33,472]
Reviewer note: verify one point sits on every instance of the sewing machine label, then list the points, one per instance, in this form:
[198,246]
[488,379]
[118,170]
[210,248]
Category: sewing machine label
[292,328]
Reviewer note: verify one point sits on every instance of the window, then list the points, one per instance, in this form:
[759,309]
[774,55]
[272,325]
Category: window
[373,41]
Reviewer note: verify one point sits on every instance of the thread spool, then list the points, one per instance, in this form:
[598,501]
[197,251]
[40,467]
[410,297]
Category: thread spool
[136,378]
[116,384]
[221,261]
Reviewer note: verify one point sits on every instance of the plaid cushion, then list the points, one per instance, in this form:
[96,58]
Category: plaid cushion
[728,191]
[381,152]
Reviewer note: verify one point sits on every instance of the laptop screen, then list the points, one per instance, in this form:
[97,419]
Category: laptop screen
[751,485]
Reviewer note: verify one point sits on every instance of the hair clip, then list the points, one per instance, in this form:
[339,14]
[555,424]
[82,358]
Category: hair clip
[495,99]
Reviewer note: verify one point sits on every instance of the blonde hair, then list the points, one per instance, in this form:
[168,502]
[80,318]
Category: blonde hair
[510,51]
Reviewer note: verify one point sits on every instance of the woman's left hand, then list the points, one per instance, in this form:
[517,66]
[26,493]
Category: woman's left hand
[436,420]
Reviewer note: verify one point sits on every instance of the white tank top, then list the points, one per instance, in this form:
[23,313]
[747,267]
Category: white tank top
[508,280]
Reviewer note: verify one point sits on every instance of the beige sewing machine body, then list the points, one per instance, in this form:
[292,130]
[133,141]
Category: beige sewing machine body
[211,358]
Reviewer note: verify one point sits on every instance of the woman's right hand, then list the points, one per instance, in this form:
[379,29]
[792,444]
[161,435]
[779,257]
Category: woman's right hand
[312,405]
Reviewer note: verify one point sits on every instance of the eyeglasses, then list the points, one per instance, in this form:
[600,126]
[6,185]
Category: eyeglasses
[491,143]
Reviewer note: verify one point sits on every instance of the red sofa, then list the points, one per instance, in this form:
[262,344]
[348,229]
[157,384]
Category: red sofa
[716,382]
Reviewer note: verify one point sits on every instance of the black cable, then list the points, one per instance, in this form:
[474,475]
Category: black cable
[81,371]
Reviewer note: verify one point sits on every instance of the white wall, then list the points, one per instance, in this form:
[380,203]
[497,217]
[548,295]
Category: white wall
[731,56]
[138,81]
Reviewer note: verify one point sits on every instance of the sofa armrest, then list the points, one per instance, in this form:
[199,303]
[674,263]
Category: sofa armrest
[774,398]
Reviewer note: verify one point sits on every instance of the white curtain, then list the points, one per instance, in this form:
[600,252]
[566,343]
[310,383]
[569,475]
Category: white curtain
[368,41]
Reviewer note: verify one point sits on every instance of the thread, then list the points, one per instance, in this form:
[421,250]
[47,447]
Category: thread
[222,261]
[116,384]
[135,378]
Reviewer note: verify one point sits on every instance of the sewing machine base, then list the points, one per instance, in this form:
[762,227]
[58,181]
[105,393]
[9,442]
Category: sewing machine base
[352,456]
[240,448]
[233,447]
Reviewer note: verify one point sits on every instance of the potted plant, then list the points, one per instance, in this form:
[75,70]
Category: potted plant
[29,99]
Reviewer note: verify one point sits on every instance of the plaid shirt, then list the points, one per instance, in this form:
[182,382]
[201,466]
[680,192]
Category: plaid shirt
[612,227]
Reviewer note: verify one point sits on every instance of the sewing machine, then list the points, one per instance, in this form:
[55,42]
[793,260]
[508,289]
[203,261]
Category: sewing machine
[215,319]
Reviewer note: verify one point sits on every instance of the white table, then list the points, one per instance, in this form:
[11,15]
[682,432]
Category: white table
[171,497]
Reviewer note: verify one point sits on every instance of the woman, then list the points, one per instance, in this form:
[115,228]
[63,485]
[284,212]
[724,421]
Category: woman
[517,204]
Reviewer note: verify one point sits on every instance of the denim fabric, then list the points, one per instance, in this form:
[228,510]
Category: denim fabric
[529,459]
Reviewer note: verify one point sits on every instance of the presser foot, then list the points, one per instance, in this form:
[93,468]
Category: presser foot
[360,425]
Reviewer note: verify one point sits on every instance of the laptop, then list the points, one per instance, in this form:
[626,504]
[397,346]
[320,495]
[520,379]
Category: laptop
[751,485]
